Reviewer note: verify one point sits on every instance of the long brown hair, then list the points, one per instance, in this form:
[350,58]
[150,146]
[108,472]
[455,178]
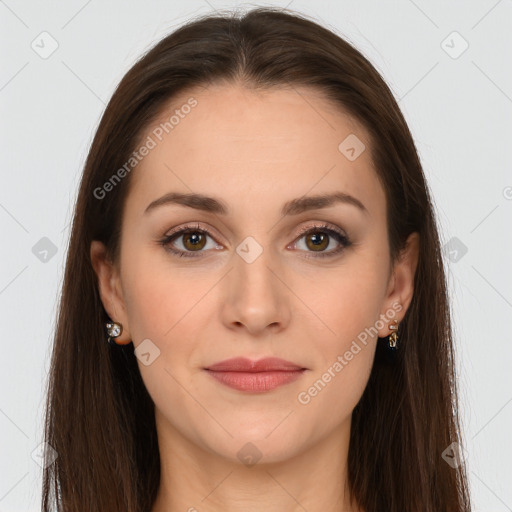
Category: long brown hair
[99,416]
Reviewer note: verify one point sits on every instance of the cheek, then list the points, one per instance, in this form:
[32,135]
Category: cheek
[169,307]
[349,312]
[329,396]
[345,353]
[160,299]
[167,310]
[346,301]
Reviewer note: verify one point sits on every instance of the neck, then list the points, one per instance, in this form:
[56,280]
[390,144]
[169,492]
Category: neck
[194,479]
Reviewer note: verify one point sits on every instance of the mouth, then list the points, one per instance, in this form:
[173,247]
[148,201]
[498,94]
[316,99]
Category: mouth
[255,376]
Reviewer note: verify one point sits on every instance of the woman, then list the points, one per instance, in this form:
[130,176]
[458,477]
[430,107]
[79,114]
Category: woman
[254,313]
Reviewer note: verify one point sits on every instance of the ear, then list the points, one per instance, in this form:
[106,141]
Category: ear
[401,282]
[110,289]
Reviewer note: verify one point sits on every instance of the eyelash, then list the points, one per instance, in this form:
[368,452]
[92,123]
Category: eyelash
[339,236]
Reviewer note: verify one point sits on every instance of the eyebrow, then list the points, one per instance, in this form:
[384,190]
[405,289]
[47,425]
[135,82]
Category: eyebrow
[293,207]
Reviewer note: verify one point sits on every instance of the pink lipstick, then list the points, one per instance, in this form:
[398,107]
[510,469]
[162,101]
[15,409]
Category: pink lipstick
[255,376]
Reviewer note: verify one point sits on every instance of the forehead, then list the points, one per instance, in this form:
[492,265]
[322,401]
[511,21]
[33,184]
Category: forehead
[233,142]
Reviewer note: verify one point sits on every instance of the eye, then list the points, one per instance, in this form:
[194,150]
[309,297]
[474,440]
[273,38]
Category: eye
[193,239]
[319,238]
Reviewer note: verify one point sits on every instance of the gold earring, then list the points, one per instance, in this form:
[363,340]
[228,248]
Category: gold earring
[393,337]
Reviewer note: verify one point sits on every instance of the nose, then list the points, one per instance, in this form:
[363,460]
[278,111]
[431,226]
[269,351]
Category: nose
[256,297]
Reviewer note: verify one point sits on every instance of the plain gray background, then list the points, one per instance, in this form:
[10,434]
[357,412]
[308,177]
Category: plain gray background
[457,101]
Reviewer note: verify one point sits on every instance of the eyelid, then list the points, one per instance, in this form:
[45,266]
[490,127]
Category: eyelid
[321,225]
[302,231]
[193,226]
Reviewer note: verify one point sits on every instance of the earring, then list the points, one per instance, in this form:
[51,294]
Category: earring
[114,330]
[393,337]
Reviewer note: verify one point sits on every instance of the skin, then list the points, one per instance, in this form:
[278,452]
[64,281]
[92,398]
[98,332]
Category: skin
[254,151]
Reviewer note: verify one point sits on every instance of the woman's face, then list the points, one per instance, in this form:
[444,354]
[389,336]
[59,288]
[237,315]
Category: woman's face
[256,286]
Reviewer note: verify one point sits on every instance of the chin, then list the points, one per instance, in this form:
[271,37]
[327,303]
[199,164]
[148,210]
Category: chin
[259,448]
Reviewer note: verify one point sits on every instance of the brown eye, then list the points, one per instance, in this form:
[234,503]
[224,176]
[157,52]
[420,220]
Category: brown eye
[317,241]
[193,240]
[322,241]
[190,241]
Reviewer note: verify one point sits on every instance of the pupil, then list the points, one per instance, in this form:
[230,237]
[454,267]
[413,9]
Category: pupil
[318,238]
[195,238]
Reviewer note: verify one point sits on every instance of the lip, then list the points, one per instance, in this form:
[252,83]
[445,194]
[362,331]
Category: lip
[255,376]
[243,364]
